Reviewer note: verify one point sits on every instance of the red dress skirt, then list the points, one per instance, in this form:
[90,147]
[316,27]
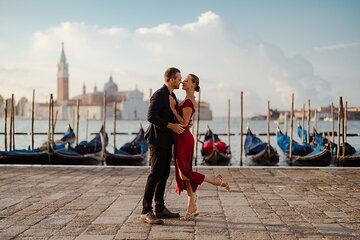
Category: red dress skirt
[183,152]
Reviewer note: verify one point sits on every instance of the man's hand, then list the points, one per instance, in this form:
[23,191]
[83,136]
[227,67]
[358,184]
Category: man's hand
[176,128]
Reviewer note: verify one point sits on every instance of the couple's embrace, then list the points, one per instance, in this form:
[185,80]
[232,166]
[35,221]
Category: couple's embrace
[169,125]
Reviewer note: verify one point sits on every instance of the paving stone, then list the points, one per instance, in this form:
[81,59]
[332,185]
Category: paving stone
[12,231]
[95,237]
[47,202]
[211,237]
[102,229]
[256,235]
[71,231]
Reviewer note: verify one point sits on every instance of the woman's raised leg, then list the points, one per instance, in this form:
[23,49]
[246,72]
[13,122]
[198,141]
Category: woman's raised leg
[217,181]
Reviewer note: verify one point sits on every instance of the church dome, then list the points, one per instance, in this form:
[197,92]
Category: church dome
[110,86]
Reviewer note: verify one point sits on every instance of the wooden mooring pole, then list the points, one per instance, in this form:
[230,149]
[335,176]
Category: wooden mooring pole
[12,123]
[77,120]
[345,122]
[114,121]
[32,119]
[315,118]
[333,123]
[303,125]
[339,131]
[104,130]
[268,124]
[291,127]
[343,126]
[308,122]
[197,128]
[241,127]
[5,123]
[228,123]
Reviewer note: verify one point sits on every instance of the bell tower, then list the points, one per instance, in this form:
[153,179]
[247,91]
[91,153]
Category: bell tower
[62,78]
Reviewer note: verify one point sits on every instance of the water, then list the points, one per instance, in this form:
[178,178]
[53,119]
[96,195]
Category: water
[218,125]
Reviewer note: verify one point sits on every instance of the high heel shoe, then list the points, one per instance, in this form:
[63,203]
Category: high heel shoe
[195,214]
[187,217]
[219,182]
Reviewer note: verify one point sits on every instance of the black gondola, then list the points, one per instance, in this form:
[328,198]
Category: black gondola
[283,142]
[320,156]
[35,156]
[350,160]
[133,153]
[85,153]
[23,156]
[259,153]
[215,151]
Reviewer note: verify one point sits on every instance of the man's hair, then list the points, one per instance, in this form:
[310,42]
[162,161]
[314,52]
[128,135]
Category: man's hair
[170,73]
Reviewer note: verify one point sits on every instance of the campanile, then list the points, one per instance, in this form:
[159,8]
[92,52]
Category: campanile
[62,78]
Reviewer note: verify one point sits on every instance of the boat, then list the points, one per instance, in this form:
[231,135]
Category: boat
[38,155]
[133,153]
[283,142]
[85,153]
[320,156]
[350,160]
[259,153]
[24,156]
[215,151]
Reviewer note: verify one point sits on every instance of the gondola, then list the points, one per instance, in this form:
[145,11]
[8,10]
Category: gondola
[283,142]
[259,153]
[85,153]
[215,151]
[38,155]
[350,160]
[349,149]
[133,153]
[320,156]
[24,156]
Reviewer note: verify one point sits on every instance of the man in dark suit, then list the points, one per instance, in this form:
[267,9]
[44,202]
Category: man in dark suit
[160,139]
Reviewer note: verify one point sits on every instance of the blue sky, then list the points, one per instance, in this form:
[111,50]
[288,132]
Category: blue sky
[268,49]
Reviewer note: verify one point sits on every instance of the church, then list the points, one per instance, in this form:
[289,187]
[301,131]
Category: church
[130,104]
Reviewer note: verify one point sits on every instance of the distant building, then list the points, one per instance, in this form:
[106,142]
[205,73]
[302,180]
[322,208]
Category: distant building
[62,79]
[130,104]
[205,111]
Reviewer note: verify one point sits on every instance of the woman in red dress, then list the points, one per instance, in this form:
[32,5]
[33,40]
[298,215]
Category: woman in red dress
[186,178]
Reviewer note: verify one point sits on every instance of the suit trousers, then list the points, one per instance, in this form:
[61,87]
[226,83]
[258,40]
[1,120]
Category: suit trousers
[160,159]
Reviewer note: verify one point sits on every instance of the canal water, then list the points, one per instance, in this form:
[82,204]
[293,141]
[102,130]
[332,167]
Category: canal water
[129,128]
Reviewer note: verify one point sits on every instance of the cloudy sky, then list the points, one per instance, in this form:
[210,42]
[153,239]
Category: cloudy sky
[267,49]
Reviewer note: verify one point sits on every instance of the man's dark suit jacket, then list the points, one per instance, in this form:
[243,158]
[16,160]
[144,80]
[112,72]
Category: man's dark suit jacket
[159,115]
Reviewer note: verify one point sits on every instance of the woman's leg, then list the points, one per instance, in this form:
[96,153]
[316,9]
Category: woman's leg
[192,208]
[217,181]
[191,211]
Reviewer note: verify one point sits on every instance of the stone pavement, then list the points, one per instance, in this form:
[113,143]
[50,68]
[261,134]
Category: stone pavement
[46,202]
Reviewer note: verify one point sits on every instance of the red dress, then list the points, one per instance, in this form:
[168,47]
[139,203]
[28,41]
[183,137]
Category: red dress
[183,152]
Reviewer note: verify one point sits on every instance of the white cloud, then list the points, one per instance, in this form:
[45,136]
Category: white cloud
[337,46]
[225,63]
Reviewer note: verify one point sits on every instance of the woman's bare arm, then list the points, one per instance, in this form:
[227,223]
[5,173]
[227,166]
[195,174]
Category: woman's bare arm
[186,113]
